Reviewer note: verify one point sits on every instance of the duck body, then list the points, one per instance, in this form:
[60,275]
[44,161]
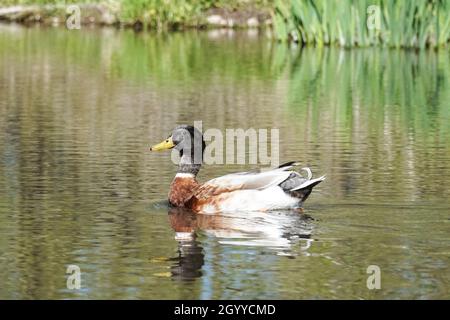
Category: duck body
[245,191]
[279,188]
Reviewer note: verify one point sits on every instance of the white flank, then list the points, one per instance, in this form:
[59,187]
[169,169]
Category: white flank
[271,198]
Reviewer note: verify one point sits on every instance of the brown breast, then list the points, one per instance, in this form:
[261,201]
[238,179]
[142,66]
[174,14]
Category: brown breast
[181,190]
[188,193]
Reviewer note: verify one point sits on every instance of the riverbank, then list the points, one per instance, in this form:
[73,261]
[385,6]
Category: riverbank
[415,24]
[113,13]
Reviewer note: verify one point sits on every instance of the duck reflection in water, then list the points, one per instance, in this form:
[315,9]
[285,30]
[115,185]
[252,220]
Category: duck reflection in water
[190,258]
[285,233]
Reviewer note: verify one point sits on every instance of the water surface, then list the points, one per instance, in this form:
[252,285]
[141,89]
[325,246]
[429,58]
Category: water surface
[79,109]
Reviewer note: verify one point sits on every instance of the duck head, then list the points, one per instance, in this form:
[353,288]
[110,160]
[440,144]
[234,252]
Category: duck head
[190,144]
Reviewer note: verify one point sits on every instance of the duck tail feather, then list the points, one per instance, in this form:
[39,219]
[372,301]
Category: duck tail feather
[287,165]
[309,184]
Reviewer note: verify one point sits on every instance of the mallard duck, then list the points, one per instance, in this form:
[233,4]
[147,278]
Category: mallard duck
[280,188]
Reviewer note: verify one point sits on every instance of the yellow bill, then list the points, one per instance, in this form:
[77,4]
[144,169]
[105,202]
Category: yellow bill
[166,144]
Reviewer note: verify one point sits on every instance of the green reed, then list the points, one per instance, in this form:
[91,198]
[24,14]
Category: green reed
[352,23]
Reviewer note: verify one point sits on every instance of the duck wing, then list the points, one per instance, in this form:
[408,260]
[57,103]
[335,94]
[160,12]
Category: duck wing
[282,176]
[239,181]
[249,180]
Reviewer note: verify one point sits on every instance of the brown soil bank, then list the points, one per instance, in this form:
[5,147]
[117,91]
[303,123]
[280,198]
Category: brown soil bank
[102,14]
